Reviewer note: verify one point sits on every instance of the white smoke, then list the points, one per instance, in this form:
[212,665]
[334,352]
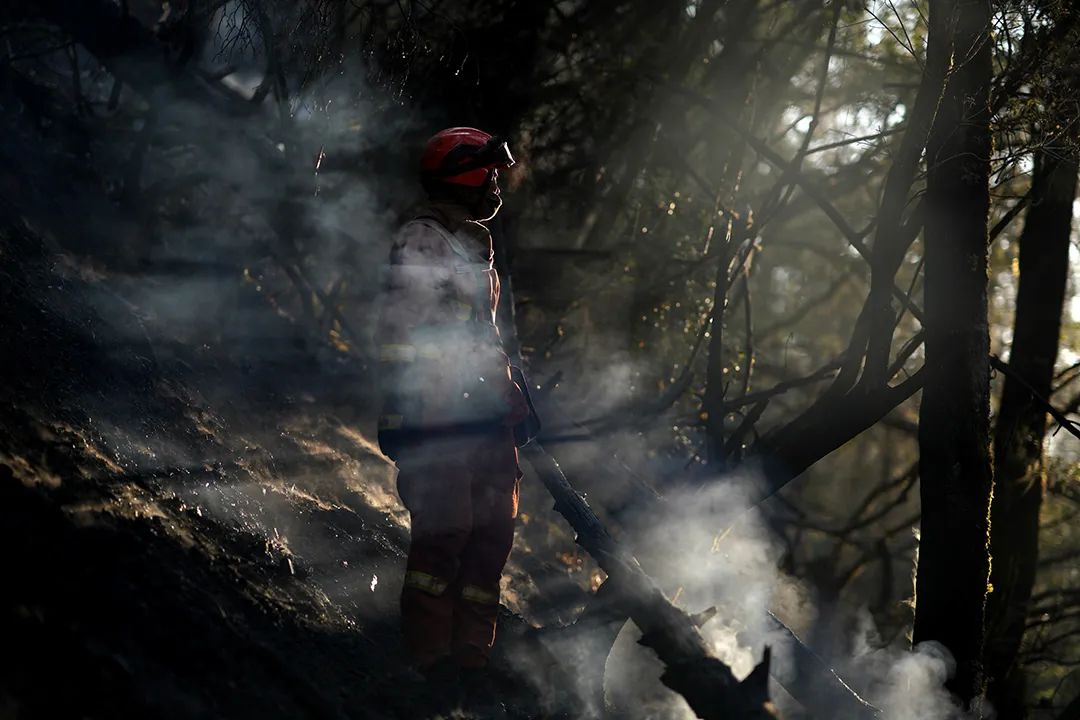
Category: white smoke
[904,683]
[713,550]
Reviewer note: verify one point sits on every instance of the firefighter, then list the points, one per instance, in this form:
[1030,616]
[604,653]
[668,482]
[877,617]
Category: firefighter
[450,405]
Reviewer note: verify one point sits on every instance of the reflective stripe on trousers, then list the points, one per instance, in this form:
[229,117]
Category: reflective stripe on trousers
[462,498]
[426,582]
[477,594]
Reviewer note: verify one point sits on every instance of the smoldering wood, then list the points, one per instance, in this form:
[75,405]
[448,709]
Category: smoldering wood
[708,685]
[630,593]
[821,689]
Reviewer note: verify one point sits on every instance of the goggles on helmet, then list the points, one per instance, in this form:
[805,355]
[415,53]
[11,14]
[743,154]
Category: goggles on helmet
[495,153]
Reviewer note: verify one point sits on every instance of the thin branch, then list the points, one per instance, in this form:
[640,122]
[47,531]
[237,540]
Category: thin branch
[901,43]
[821,374]
[1064,422]
[906,352]
[855,140]
[748,346]
[810,187]
[784,187]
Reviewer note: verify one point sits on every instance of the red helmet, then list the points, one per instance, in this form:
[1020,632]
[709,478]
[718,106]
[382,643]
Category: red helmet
[464,156]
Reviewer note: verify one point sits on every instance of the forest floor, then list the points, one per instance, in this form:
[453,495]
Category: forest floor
[180,539]
[188,530]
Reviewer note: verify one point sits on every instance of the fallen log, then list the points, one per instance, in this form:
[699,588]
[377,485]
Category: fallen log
[707,684]
[818,687]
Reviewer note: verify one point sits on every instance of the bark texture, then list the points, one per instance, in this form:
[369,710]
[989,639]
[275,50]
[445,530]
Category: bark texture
[954,427]
[1019,479]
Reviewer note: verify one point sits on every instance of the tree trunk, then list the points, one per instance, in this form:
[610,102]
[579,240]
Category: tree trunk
[954,427]
[1021,422]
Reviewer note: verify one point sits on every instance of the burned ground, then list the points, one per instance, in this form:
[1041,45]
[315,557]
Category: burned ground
[187,535]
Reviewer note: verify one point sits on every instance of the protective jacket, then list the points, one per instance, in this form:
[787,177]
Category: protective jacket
[444,382]
[443,368]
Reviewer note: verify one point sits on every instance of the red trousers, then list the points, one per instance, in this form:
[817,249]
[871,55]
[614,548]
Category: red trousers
[462,495]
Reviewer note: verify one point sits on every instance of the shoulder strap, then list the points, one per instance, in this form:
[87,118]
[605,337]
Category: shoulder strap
[469,263]
[451,239]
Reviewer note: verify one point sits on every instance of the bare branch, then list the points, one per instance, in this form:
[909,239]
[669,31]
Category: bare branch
[1064,422]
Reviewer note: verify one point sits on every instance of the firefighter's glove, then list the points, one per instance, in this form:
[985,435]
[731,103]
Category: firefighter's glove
[517,406]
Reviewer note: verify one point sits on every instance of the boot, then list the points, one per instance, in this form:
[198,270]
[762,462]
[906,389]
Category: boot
[442,692]
[483,696]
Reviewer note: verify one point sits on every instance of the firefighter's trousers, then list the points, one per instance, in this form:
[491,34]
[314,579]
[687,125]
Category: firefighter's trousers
[462,493]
